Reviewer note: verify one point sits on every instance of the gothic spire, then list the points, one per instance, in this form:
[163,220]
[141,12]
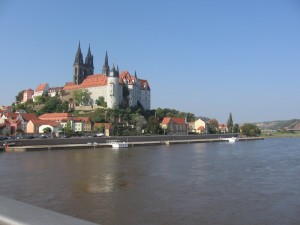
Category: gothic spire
[78,57]
[105,69]
[89,58]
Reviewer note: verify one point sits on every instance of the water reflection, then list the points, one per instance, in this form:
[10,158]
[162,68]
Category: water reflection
[214,183]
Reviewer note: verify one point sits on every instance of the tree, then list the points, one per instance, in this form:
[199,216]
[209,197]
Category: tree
[153,126]
[230,123]
[236,128]
[250,130]
[213,126]
[100,101]
[19,97]
[139,122]
[47,130]
[67,130]
[81,97]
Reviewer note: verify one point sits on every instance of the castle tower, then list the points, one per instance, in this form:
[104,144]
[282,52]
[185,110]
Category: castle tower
[113,90]
[105,70]
[89,64]
[78,67]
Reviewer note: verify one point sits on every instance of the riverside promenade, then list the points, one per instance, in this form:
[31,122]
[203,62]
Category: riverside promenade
[100,142]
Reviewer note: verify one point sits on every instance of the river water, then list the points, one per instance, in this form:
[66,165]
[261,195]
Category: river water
[251,182]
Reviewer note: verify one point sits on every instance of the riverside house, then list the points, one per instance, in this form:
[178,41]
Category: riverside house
[172,125]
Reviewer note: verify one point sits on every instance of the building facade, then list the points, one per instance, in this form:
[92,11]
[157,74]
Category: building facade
[116,88]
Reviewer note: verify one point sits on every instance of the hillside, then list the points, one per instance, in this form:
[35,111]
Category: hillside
[293,124]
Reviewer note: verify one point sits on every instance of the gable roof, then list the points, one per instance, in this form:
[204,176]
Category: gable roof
[38,122]
[41,87]
[28,116]
[178,121]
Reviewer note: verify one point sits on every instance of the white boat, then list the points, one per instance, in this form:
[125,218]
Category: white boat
[117,144]
[231,139]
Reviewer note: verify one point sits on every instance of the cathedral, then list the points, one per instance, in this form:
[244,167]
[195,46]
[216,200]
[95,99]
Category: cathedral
[117,88]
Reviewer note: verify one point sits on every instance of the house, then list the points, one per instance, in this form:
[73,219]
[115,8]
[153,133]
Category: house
[41,90]
[200,127]
[27,95]
[82,124]
[54,91]
[37,126]
[223,128]
[172,125]
[26,117]
[108,128]
[14,119]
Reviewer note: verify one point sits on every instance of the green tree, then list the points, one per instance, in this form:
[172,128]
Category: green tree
[230,123]
[67,130]
[250,130]
[236,128]
[47,130]
[139,122]
[213,126]
[153,126]
[100,101]
[81,97]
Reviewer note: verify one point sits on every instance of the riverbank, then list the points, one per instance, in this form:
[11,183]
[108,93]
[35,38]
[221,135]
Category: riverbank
[142,142]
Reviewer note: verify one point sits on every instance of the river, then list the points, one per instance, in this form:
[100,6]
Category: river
[242,183]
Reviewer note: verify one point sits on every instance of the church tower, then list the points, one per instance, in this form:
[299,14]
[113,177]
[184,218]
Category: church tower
[105,70]
[78,67]
[113,89]
[89,64]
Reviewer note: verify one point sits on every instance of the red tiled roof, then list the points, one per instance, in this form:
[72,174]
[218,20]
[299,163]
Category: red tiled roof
[91,81]
[38,122]
[144,84]
[82,119]
[179,120]
[125,75]
[41,87]
[167,120]
[28,116]
[200,128]
[55,115]
[11,115]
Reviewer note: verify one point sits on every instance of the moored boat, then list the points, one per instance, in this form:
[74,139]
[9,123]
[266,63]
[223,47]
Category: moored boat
[231,139]
[117,144]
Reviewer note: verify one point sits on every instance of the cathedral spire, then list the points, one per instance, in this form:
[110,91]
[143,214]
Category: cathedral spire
[105,69]
[78,56]
[89,58]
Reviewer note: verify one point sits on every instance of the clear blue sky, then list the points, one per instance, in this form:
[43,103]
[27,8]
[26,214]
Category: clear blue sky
[205,57]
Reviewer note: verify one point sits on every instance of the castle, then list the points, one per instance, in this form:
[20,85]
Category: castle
[117,89]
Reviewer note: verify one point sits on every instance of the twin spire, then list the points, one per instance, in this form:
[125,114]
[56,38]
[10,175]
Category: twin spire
[89,64]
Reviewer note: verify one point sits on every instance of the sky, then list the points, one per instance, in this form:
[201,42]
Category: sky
[207,57]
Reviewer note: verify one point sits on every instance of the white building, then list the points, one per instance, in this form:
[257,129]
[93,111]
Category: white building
[116,88]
